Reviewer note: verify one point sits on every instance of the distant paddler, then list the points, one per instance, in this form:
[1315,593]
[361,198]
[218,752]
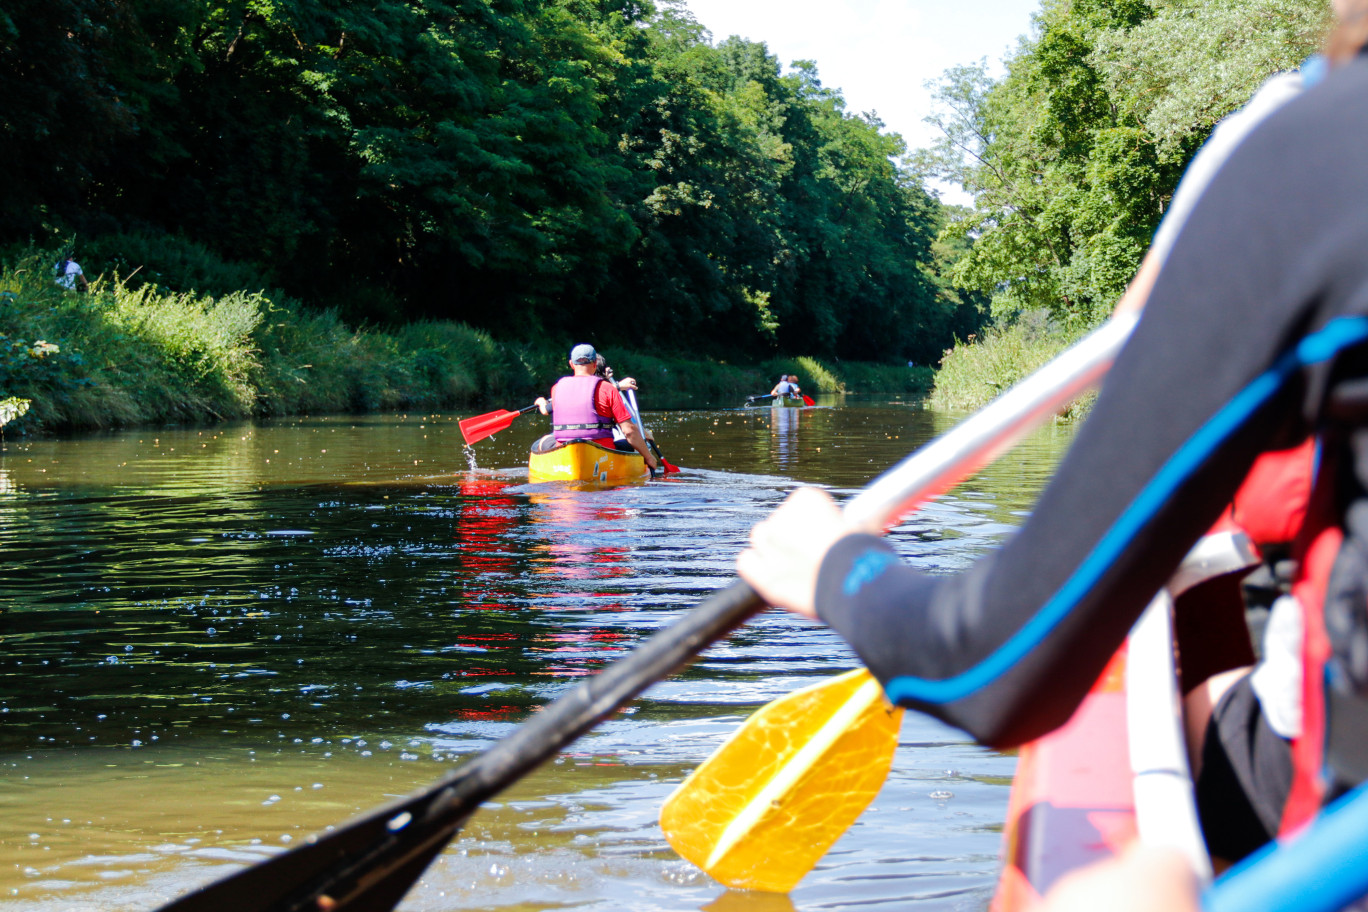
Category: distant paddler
[785,387]
[786,393]
[777,395]
[585,407]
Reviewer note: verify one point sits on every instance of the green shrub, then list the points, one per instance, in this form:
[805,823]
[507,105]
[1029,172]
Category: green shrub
[975,371]
[188,348]
[168,261]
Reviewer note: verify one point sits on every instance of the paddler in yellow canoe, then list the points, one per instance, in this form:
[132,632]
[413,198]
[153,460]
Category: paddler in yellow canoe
[586,407]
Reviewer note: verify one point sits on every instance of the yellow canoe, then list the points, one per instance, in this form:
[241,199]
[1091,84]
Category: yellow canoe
[585,462]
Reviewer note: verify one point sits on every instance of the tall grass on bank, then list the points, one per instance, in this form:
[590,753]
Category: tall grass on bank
[121,355]
[976,371]
[132,352]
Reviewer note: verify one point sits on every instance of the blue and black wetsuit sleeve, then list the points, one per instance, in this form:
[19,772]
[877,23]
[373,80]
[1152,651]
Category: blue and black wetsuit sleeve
[1257,314]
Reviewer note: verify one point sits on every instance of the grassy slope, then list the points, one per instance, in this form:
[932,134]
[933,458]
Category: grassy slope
[974,372]
[123,355]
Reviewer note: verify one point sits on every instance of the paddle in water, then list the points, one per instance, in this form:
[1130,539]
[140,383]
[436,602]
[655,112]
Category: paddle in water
[482,426]
[369,863]
[665,464]
[773,783]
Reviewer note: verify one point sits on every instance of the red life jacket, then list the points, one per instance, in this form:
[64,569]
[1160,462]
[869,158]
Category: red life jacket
[1270,506]
[1317,546]
[573,416]
[1278,503]
[1283,495]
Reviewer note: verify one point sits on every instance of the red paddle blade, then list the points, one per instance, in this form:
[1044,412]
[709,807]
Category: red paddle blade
[807,400]
[481,426]
[670,467]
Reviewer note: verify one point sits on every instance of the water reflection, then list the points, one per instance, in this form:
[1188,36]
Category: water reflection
[581,536]
[202,626]
[784,436]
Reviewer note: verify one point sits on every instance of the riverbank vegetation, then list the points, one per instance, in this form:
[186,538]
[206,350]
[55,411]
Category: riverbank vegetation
[977,370]
[1072,156]
[410,176]
[124,354]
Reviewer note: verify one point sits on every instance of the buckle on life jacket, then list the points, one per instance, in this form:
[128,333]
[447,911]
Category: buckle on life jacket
[600,426]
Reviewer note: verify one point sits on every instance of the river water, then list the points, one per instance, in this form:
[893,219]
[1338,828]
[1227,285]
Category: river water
[218,641]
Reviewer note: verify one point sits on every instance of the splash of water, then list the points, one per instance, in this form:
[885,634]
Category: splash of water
[470,456]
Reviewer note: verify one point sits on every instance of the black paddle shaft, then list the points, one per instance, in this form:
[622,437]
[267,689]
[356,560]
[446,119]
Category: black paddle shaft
[369,863]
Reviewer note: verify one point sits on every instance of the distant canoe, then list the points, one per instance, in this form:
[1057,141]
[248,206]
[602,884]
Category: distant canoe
[585,462]
[787,402]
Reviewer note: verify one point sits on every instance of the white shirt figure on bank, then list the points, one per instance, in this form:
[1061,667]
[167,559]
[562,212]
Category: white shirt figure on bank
[69,274]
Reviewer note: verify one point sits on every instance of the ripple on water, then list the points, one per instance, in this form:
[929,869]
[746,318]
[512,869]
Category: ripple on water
[207,659]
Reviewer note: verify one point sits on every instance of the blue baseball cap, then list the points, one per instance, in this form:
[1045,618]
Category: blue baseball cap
[583,354]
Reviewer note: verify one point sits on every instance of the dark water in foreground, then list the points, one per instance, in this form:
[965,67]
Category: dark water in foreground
[216,642]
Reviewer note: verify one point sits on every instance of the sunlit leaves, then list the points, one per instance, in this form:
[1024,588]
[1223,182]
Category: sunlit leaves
[1072,156]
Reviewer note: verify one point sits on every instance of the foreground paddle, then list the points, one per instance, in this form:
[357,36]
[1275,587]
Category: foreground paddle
[669,467]
[368,864]
[481,426]
[796,776]
[763,809]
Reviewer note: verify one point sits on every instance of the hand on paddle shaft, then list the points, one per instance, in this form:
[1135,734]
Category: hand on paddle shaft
[744,816]
[666,467]
[787,548]
[368,864]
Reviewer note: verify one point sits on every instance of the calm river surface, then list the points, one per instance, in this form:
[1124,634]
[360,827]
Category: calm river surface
[217,642]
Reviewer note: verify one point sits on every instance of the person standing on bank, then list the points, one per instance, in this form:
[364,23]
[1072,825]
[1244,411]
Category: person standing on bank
[69,274]
[585,407]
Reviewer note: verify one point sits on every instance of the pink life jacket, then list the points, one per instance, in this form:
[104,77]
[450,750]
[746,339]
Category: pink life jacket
[572,410]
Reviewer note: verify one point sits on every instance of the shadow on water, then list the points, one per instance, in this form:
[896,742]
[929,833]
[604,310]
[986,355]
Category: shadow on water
[217,642]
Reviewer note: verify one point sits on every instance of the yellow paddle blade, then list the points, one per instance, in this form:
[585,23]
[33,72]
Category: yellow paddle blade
[766,806]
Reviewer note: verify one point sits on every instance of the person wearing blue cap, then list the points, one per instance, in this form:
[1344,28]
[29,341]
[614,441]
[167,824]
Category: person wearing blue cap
[584,407]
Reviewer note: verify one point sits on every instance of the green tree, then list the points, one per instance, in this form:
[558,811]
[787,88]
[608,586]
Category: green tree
[1073,155]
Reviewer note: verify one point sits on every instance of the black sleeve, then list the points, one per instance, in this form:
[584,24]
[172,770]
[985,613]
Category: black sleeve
[1257,310]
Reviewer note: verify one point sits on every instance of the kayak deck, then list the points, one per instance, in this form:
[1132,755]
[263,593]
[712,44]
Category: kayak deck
[1117,771]
[585,461]
[1071,802]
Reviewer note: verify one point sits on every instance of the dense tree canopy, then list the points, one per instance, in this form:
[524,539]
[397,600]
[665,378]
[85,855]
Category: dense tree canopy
[1074,154]
[598,168]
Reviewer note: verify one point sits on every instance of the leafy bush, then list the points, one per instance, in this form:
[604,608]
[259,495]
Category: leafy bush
[128,353]
[973,373]
[169,261]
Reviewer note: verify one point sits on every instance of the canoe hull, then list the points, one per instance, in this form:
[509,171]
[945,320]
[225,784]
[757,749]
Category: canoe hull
[786,402]
[1071,801]
[585,462]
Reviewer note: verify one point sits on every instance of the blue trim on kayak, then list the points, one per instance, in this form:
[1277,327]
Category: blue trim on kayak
[1336,336]
[1323,869]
